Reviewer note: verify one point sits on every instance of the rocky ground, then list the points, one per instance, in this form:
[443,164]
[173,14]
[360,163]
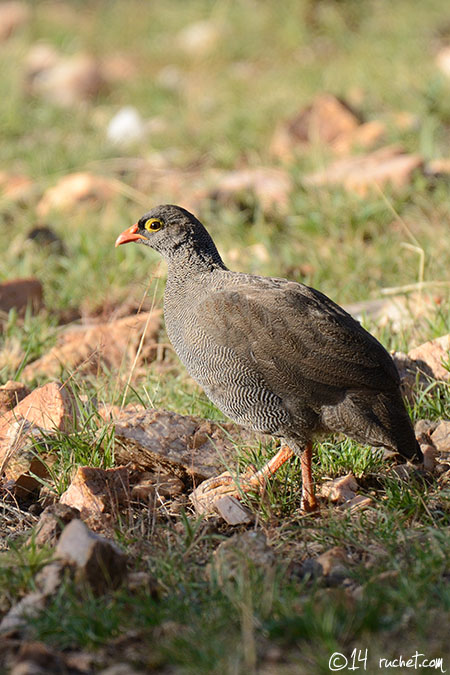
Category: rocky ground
[314,148]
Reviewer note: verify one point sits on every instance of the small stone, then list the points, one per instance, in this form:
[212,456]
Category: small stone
[332,565]
[443,60]
[19,294]
[41,57]
[32,421]
[29,606]
[150,484]
[232,511]
[430,357]
[16,188]
[10,395]
[160,439]
[326,120]
[363,137]
[120,669]
[67,82]
[423,430]
[52,522]
[403,471]
[76,190]
[13,15]
[438,167]
[51,406]
[36,657]
[99,562]
[199,39]
[341,489]
[363,173]
[242,549]
[270,186]
[111,346]
[49,579]
[46,238]
[429,457]
[22,464]
[440,437]
[126,127]
[358,503]
[95,490]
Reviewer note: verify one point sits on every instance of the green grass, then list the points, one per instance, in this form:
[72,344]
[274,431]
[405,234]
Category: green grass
[270,59]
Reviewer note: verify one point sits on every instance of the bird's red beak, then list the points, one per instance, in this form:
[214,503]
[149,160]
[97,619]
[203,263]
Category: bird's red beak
[131,234]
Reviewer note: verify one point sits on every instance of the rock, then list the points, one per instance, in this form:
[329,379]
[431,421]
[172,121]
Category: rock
[341,489]
[402,471]
[334,565]
[170,77]
[429,457]
[410,376]
[443,60]
[10,395]
[271,187]
[118,67]
[364,137]
[423,430]
[41,56]
[431,355]
[232,511]
[36,658]
[120,669]
[395,311]
[358,503]
[95,490]
[438,167]
[65,82]
[16,187]
[45,237]
[19,294]
[51,406]
[32,420]
[50,577]
[142,581]
[440,437]
[29,606]
[160,484]
[126,127]
[180,444]
[22,465]
[242,549]
[387,166]
[199,39]
[99,562]
[112,346]
[13,15]
[112,412]
[76,190]
[52,522]
[324,121]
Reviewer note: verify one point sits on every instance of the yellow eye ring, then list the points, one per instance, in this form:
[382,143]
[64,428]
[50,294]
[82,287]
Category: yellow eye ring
[153,225]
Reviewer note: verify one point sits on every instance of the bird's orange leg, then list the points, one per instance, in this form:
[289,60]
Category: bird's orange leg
[259,478]
[309,501]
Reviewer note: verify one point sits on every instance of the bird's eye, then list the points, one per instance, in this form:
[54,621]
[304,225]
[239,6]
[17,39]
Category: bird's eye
[153,224]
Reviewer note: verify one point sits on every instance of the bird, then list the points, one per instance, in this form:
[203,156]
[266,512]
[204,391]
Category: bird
[274,355]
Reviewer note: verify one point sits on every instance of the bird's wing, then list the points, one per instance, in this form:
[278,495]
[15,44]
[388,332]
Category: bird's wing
[288,330]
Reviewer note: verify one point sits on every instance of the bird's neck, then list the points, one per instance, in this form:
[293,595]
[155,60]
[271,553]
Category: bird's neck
[188,261]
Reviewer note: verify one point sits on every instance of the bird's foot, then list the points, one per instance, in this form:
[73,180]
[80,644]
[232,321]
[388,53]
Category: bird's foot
[211,490]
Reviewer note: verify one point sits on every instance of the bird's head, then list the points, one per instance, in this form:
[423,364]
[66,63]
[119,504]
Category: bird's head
[173,232]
